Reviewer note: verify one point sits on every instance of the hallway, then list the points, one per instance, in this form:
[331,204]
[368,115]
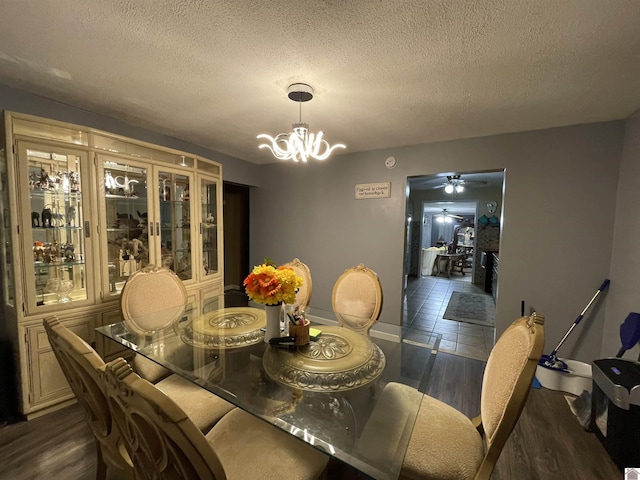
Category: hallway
[425,303]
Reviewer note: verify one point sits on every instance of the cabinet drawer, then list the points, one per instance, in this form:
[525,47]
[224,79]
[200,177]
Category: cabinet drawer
[46,380]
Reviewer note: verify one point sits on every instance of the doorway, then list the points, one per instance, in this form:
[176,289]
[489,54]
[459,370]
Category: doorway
[427,296]
[236,234]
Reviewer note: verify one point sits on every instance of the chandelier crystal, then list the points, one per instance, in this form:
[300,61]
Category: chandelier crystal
[299,145]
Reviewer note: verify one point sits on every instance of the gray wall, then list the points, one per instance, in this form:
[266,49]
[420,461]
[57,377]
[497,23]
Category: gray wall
[234,169]
[625,259]
[557,235]
[559,195]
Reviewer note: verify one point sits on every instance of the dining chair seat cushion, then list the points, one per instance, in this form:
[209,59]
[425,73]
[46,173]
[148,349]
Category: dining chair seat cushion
[203,408]
[454,454]
[150,370]
[248,447]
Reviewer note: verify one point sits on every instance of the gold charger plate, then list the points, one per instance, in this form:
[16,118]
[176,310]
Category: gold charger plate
[338,360]
[227,328]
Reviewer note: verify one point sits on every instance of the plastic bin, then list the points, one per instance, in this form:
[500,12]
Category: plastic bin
[575,382]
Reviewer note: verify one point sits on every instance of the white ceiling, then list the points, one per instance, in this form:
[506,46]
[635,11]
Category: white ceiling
[386,73]
[455,208]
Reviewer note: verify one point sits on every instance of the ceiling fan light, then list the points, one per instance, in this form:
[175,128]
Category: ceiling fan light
[440,219]
[448,219]
[448,188]
[459,189]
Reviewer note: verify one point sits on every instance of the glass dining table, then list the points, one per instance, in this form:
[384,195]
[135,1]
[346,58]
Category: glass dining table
[323,392]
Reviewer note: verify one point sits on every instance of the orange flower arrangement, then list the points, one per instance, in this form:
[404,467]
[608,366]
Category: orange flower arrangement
[271,285]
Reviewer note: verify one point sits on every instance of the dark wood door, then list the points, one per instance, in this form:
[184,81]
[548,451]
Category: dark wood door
[236,234]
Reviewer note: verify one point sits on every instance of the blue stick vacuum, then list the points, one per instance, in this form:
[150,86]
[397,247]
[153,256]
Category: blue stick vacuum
[551,361]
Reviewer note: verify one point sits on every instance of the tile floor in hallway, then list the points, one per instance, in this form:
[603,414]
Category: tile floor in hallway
[425,303]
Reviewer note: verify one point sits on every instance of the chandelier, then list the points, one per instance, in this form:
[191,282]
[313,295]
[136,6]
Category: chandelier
[299,145]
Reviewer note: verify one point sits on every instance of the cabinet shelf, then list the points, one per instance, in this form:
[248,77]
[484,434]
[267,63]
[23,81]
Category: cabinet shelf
[122,197]
[56,193]
[53,229]
[59,264]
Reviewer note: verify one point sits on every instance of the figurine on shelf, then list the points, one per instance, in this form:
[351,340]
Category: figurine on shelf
[68,252]
[139,250]
[57,219]
[143,218]
[109,183]
[205,267]
[35,219]
[74,179]
[184,266]
[210,218]
[38,251]
[63,180]
[46,217]
[71,216]
[51,252]
[44,181]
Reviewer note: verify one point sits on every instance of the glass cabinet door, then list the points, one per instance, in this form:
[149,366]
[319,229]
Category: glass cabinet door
[55,231]
[209,225]
[126,205]
[174,220]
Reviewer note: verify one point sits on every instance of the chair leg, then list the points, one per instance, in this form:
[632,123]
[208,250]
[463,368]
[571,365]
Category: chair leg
[101,467]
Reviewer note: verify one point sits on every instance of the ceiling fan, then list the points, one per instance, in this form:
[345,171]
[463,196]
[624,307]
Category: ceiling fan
[455,184]
[446,217]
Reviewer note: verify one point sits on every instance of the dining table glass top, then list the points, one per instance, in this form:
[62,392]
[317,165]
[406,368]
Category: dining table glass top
[323,392]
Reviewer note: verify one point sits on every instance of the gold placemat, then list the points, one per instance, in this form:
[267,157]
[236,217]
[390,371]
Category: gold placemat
[338,360]
[226,328]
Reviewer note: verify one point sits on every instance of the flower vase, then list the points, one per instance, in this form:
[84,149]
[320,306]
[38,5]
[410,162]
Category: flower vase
[274,314]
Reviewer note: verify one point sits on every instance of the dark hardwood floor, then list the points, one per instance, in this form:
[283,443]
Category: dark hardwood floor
[547,444]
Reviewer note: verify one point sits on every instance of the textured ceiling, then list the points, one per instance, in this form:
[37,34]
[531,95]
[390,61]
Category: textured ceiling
[386,73]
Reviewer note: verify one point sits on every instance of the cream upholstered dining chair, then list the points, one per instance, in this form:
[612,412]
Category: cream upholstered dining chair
[152,299]
[444,443]
[203,407]
[80,364]
[357,298]
[162,442]
[303,295]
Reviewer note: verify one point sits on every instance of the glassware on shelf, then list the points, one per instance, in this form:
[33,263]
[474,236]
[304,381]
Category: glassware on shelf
[61,288]
[64,291]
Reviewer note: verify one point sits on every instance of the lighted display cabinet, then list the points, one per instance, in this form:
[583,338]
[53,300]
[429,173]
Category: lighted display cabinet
[82,210]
